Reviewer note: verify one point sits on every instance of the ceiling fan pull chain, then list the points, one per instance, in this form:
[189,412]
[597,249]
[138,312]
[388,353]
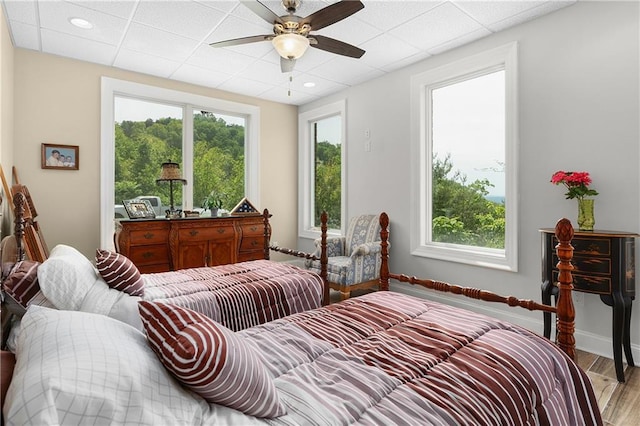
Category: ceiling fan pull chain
[290,80]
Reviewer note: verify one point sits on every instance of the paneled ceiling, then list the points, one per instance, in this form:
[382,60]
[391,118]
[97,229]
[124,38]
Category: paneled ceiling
[170,39]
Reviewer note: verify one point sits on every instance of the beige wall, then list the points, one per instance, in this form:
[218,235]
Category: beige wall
[57,100]
[6,112]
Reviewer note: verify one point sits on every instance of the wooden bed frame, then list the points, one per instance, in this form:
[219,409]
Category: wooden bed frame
[564,309]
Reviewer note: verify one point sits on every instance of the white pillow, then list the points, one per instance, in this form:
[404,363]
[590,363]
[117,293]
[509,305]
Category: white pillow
[66,277]
[81,368]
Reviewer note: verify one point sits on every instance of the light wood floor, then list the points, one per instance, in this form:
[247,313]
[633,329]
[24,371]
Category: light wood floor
[619,402]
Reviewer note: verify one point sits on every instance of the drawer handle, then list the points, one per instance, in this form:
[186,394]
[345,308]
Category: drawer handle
[254,228]
[193,232]
[254,243]
[221,230]
[148,235]
[147,255]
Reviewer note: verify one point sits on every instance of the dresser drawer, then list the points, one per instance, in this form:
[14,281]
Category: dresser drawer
[589,283]
[147,236]
[597,265]
[149,255]
[252,229]
[252,243]
[205,234]
[589,246]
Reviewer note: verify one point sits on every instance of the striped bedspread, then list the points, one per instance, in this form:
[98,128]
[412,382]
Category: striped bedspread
[391,359]
[239,295]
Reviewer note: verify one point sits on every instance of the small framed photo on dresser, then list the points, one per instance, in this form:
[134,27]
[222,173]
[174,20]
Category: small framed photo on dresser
[60,157]
[139,209]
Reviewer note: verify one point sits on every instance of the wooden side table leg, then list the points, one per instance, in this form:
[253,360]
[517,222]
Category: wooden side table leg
[618,331]
[546,299]
[626,338]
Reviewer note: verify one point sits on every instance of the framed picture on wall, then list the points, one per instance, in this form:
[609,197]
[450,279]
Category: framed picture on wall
[60,157]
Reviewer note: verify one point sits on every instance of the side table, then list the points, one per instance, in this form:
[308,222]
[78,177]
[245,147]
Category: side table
[604,263]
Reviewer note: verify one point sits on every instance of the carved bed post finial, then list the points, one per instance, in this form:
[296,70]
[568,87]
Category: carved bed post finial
[267,233]
[324,259]
[565,321]
[384,252]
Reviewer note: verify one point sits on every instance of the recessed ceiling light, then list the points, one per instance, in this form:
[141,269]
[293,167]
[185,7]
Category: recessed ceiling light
[309,84]
[81,23]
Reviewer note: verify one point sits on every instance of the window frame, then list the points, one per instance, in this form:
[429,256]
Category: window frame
[110,88]
[306,159]
[503,57]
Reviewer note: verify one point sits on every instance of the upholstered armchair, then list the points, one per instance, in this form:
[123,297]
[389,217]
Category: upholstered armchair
[353,259]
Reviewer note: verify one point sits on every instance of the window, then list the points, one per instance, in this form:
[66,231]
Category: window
[465,140]
[215,143]
[322,174]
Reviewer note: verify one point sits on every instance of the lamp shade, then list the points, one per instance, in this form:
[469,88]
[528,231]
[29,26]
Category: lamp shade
[170,171]
[290,45]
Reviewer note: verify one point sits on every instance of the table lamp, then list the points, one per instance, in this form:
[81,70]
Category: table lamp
[171,173]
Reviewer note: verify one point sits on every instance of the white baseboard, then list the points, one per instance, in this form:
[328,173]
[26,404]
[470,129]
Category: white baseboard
[585,341]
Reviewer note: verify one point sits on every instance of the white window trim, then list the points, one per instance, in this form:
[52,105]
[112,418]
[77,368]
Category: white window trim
[110,88]
[421,244]
[305,169]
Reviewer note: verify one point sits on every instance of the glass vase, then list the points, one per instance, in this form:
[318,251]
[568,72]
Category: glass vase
[586,220]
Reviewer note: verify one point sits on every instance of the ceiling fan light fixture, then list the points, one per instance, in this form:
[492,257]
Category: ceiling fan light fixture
[290,45]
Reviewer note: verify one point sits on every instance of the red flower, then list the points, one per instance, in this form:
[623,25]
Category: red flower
[577,184]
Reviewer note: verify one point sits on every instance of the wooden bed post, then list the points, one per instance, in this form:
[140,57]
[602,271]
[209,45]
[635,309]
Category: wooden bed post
[267,234]
[324,258]
[566,314]
[384,252]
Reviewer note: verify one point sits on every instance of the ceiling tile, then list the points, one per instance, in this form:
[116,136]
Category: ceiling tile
[386,49]
[203,77]
[120,8]
[25,35]
[439,25]
[145,63]
[158,43]
[78,48]
[223,60]
[106,28]
[244,86]
[188,19]
[21,11]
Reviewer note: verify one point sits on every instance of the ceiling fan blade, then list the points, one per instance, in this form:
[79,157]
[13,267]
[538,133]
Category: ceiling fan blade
[286,65]
[242,40]
[262,11]
[332,14]
[336,46]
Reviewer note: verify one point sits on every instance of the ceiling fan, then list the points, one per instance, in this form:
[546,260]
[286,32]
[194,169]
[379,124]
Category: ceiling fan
[291,33]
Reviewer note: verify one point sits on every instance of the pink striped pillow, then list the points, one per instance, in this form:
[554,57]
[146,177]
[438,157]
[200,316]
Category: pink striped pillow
[210,359]
[119,272]
[22,282]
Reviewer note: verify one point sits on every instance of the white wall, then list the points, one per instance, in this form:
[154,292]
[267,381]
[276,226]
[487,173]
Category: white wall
[579,108]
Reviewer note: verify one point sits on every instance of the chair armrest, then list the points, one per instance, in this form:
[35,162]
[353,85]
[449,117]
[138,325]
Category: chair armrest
[335,246]
[367,249]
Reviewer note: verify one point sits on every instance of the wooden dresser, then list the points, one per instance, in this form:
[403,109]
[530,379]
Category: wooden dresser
[160,245]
